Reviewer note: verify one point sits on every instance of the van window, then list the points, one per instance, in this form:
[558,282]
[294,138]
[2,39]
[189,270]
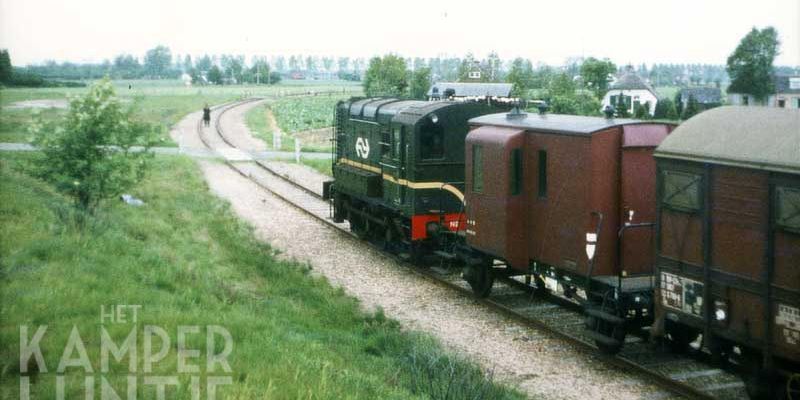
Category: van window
[681,191]
[787,213]
[477,168]
[516,172]
[542,173]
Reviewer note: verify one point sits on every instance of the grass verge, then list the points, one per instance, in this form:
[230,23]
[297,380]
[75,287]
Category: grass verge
[188,261]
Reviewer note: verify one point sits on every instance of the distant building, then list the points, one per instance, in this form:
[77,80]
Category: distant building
[460,90]
[706,97]
[633,90]
[787,94]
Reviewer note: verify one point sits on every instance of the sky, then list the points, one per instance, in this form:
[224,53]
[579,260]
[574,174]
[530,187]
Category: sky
[626,31]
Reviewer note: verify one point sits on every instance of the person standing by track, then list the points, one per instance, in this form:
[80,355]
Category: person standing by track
[206,115]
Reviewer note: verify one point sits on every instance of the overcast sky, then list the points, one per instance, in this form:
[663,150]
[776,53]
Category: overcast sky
[626,31]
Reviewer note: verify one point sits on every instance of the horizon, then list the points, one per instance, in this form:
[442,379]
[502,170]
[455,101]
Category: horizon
[682,32]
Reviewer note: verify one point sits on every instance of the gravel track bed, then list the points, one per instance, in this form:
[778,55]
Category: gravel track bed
[540,365]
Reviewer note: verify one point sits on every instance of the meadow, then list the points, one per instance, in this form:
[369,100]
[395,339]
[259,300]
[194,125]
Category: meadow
[162,103]
[186,260]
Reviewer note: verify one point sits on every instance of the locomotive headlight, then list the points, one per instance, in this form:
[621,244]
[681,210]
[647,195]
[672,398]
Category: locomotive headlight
[434,118]
[720,311]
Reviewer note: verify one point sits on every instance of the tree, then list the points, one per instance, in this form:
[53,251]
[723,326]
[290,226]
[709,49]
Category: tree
[327,63]
[520,77]
[562,85]
[261,70]
[678,104]
[344,63]
[692,108]
[641,111]
[6,70]
[595,73]
[750,65]
[622,107]
[665,109]
[274,77]
[386,76]
[214,75]
[157,61]
[420,83]
[204,63]
[91,158]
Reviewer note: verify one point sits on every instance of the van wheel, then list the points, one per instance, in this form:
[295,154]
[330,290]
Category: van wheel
[480,277]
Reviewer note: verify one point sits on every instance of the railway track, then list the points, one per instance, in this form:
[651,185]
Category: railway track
[679,375]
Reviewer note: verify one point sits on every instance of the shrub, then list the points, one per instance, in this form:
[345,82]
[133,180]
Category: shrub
[91,157]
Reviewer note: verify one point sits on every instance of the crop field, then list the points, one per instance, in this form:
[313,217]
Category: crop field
[162,103]
[186,260]
[297,114]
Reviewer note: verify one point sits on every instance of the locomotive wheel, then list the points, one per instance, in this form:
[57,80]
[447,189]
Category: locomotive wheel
[480,278]
[679,336]
[358,225]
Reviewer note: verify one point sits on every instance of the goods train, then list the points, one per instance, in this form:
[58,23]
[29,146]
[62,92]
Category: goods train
[686,231]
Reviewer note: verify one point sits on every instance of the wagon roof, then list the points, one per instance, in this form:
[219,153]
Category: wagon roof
[555,123]
[753,137]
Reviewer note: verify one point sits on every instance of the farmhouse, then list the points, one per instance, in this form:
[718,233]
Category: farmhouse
[633,90]
[787,94]
[464,90]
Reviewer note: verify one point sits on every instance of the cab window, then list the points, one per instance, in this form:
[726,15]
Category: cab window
[431,141]
[397,133]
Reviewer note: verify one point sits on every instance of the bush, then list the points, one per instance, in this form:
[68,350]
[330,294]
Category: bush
[91,158]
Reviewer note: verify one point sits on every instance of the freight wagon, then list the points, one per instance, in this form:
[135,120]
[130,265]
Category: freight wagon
[728,239]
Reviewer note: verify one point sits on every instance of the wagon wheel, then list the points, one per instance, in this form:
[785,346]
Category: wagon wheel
[679,336]
[480,277]
[720,349]
[606,328]
[757,381]
[793,387]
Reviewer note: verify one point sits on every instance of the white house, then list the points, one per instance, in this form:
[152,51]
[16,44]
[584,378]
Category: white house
[634,90]
[787,94]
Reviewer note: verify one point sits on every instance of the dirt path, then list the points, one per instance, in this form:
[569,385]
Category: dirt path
[538,364]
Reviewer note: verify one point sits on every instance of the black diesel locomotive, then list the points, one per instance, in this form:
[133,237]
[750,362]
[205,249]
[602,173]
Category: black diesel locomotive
[399,169]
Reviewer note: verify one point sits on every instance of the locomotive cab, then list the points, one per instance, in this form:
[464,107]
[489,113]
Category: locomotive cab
[398,170]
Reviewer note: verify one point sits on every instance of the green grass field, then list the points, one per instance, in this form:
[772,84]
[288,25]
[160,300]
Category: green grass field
[162,103]
[187,260]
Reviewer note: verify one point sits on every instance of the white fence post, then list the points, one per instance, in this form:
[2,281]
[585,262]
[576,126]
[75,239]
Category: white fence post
[297,151]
